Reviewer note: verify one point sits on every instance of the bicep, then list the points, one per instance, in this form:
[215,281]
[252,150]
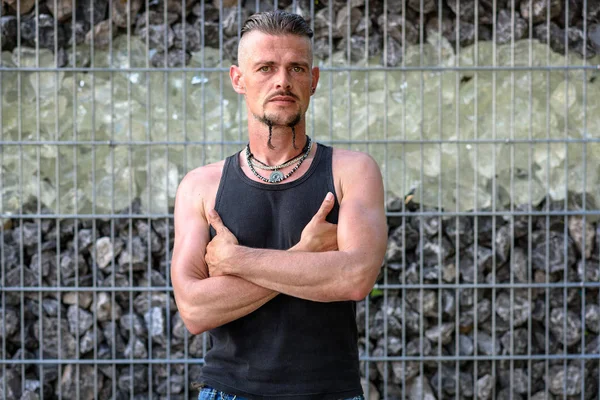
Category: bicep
[191,238]
[362,226]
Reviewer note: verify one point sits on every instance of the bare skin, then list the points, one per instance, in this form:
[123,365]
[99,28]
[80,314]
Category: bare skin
[218,281]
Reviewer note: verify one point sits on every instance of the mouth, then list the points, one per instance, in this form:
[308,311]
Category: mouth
[282,99]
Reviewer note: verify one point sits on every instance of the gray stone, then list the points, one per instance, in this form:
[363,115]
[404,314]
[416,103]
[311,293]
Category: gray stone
[434,252]
[594,37]
[84,299]
[8,29]
[103,307]
[136,349]
[443,333]
[41,31]
[396,25]
[51,306]
[428,5]
[392,57]
[10,383]
[459,229]
[138,382]
[449,383]
[68,263]
[485,386]
[155,324]
[418,388]
[404,371]
[106,251]
[134,256]
[9,322]
[101,35]
[348,16]
[160,37]
[542,396]
[44,265]
[86,343]
[394,346]
[143,302]
[592,317]
[468,271]
[517,380]
[193,42]
[519,266]
[588,271]
[583,234]
[537,10]
[519,310]
[487,346]
[92,12]
[89,380]
[76,32]
[13,278]
[424,301]
[132,322]
[175,58]
[121,11]
[79,320]
[572,333]
[506,30]
[402,239]
[26,234]
[29,395]
[322,24]
[50,330]
[508,394]
[519,341]
[555,261]
[564,381]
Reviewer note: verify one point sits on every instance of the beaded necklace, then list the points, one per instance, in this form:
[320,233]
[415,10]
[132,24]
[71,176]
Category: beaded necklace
[276,175]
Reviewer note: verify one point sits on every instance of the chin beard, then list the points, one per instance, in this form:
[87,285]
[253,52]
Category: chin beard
[265,119]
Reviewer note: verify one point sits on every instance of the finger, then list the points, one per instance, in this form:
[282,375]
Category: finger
[326,207]
[215,220]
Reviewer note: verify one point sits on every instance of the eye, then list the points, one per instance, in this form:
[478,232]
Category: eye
[297,69]
[264,68]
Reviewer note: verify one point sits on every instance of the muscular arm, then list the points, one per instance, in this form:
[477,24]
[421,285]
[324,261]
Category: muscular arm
[207,302]
[346,274]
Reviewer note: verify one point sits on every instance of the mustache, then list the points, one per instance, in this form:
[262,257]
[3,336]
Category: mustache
[283,93]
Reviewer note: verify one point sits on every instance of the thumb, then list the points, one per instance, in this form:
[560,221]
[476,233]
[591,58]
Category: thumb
[326,207]
[215,220]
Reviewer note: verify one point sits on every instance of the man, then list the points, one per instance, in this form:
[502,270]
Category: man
[275,244]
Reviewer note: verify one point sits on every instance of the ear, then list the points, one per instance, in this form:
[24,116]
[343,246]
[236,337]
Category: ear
[237,80]
[315,78]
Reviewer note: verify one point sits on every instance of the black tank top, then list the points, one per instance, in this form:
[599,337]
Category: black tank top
[289,348]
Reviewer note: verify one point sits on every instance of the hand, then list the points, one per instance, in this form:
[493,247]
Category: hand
[319,235]
[219,248]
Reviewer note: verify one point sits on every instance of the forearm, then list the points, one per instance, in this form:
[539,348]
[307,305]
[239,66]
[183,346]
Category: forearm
[215,301]
[325,276]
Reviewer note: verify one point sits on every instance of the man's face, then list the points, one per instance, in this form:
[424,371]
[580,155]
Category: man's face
[276,76]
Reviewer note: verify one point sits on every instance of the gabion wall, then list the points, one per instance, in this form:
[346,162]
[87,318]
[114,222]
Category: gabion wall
[484,120]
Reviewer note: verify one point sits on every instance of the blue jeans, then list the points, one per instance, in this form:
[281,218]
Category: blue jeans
[208,393]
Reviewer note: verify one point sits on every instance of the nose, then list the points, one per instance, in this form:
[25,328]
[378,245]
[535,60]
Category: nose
[283,79]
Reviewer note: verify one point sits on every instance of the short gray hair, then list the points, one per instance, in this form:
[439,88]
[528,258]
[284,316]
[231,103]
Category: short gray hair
[277,23]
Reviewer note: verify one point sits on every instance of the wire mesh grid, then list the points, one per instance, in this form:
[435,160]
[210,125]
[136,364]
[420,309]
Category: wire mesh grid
[484,118]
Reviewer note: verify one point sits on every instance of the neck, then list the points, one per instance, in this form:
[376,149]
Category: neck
[281,141]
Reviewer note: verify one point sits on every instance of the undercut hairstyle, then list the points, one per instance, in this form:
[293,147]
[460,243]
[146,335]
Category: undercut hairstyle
[277,23]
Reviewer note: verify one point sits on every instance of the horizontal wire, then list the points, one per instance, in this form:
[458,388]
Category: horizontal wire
[333,141]
[497,213]
[321,68]
[389,286]
[122,361]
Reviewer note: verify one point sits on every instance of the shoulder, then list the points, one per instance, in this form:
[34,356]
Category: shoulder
[355,169]
[199,186]
[350,162]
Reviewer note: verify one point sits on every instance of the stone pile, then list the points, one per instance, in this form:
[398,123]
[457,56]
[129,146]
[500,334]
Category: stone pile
[173,34]
[111,313]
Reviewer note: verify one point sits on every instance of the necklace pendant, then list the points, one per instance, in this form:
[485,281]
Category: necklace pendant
[275,177]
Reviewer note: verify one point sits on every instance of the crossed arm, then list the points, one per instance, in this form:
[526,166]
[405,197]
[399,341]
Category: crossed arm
[219,281]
